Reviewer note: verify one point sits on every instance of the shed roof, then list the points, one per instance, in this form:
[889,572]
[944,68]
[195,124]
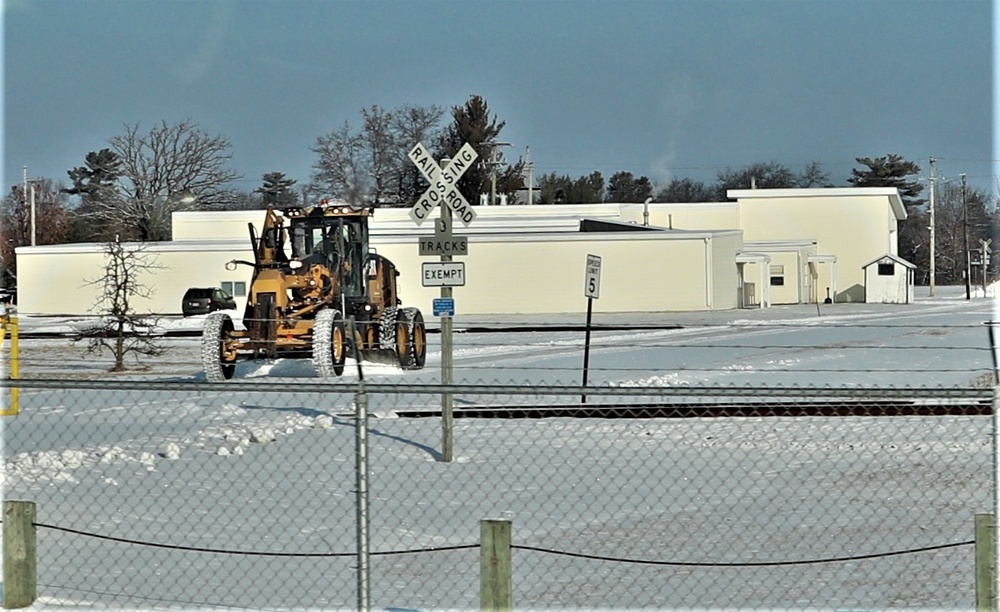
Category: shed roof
[894,258]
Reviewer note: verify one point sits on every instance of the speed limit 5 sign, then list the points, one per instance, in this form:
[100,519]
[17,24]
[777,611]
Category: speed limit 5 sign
[592,286]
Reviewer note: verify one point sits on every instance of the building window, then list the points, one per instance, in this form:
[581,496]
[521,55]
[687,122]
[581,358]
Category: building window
[237,289]
[886,269]
[777,276]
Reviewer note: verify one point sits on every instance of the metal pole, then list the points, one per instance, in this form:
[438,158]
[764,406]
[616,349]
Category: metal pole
[361,481]
[931,214]
[996,465]
[32,188]
[531,178]
[447,366]
[965,232]
[493,175]
[586,348]
[996,492]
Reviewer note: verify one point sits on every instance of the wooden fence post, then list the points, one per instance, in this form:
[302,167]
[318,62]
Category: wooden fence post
[495,585]
[20,565]
[985,571]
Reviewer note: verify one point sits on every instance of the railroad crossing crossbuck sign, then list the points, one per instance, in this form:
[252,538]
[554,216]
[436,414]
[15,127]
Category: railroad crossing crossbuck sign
[444,183]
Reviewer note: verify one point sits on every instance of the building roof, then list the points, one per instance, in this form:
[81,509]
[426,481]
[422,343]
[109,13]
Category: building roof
[895,258]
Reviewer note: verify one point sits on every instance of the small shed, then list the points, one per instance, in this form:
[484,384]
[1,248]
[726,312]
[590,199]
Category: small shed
[889,280]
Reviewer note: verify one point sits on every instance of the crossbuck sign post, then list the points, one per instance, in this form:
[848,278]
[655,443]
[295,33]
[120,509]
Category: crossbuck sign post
[443,192]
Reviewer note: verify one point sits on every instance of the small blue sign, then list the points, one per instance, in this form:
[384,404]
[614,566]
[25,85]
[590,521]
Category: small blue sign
[444,307]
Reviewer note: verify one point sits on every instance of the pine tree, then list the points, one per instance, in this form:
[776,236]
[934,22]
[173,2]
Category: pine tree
[472,124]
[893,170]
[277,190]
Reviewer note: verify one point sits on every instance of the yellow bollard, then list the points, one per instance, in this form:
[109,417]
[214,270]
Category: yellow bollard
[8,324]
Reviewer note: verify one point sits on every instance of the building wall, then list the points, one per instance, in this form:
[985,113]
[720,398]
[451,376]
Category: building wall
[60,276]
[648,272]
[542,273]
[530,259]
[856,225]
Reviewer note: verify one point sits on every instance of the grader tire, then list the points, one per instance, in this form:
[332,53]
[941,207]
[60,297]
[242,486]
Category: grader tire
[329,346]
[218,329]
[411,339]
[387,329]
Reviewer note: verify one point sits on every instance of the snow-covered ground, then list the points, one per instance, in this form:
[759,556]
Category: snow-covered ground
[244,469]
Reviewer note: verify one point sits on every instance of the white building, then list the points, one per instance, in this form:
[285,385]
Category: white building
[768,246]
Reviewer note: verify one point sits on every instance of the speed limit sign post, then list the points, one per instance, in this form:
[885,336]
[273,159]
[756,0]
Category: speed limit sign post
[591,289]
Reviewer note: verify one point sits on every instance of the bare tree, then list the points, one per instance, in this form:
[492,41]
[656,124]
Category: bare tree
[342,169]
[814,176]
[371,165]
[50,227]
[380,146]
[170,168]
[120,329]
[410,125]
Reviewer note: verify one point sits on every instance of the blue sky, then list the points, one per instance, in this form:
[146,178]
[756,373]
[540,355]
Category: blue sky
[664,88]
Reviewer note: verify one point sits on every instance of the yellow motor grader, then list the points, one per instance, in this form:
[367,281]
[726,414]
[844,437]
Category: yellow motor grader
[313,271]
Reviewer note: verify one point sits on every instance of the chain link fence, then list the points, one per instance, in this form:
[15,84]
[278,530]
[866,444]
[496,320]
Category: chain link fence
[700,466]
[250,495]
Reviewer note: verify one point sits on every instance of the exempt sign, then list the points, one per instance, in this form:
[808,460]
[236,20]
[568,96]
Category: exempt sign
[443,274]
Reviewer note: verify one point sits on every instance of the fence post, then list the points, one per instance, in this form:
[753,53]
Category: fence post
[20,565]
[495,585]
[361,482]
[984,563]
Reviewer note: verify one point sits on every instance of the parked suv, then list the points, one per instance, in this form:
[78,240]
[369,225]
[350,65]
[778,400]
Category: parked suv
[203,300]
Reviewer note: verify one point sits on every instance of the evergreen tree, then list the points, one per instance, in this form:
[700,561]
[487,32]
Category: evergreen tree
[277,190]
[554,189]
[472,124]
[624,187]
[893,170]
[96,183]
[889,171]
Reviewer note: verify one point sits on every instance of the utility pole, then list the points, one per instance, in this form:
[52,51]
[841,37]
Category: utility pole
[32,214]
[494,164]
[29,196]
[932,226]
[493,176]
[531,178]
[965,232]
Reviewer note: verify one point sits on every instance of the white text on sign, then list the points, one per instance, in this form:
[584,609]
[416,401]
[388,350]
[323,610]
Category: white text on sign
[443,188]
[452,245]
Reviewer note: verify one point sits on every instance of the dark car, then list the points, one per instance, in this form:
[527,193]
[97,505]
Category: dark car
[203,300]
